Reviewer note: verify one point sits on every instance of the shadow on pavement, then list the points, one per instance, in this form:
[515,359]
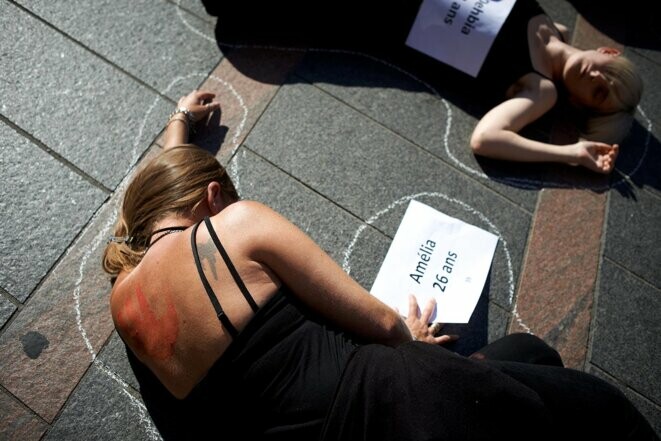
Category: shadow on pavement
[633,24]
[378,30]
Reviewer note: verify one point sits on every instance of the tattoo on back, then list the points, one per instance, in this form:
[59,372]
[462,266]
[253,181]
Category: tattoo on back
[208,253]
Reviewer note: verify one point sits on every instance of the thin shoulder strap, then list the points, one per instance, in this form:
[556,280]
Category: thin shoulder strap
[224,320]
[230,266]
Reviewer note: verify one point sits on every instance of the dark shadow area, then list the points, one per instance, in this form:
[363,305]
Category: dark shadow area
[210,135]
[639,164]
[473,335]
[633,24]
[376,29]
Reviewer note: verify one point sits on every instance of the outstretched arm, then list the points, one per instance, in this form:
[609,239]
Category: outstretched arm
[315,278]
[496,135]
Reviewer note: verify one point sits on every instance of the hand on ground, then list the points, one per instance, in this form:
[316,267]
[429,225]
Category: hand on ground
[200,104]
[597,156]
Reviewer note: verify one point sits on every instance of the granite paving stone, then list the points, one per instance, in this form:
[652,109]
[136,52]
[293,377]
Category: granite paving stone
[244,84]
[96,118]
[640,151]
[587,35]
[626,340]
[560,12]
[101,409]
[51,343]
[113,359]
[7,308]
[637,164]
[155,41]
[649,71]
[326,223]
[651,411]
[312,136]
[555,290]
[43,206]
[195,7]
[498,322]
[17,423]
[633,235]
[409,107]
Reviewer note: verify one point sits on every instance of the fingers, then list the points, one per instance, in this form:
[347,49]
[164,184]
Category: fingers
[600,156]
[204,96]
[435,328]
[443,339]
[615,152]
[413,306]
[427,312]
[196,97]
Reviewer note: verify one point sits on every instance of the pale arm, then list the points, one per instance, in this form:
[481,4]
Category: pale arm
[496,135]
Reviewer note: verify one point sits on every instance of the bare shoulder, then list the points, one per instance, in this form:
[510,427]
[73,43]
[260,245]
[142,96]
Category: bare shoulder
[535,87]
[247,217]
[242,210]
[118,296]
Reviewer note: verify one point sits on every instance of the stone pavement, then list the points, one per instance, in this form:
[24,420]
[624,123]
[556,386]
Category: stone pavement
[337,141]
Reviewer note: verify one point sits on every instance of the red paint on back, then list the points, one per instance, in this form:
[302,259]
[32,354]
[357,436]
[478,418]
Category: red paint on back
[149,334]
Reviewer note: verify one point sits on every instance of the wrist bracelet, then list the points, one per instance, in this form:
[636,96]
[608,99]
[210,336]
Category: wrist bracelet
[187,113]
[189,118]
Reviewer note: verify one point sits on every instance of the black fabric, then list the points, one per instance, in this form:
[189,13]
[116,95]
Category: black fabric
[509,57]
[424,392]
[224,320]
[230,266]
[279,374]
[523,348]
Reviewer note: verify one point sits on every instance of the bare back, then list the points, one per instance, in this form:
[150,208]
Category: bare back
[168,319]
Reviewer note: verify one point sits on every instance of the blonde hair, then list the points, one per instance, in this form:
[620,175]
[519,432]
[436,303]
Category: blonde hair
[627,91]
[175,182]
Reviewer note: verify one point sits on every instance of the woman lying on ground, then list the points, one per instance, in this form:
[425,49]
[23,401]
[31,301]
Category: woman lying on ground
[259,334]
[533,63]
[530,63]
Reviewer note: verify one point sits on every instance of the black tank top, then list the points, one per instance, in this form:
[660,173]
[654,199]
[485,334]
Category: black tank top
[279,374]
[509,56]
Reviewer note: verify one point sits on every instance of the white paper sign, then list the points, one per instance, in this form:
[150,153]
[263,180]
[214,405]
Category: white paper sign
[435,255]
[458,32]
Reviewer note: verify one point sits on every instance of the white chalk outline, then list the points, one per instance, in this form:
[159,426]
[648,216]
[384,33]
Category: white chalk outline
[103,233]
[346,266]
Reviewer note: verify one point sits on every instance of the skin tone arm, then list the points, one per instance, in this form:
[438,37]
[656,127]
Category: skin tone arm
[320,283]
[200,105]
[496,135]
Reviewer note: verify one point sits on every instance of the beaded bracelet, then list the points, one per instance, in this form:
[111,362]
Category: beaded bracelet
[183,110]
[189,118]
